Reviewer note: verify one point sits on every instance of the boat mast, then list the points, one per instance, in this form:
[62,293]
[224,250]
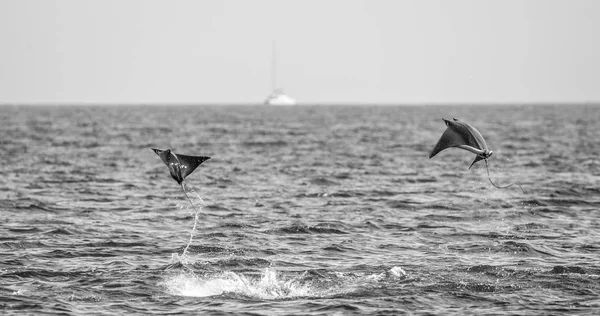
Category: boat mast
[274,67]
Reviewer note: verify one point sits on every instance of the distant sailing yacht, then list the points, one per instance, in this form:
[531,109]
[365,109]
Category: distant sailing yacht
[277,97]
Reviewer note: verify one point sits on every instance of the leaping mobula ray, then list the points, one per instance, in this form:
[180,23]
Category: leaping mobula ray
[180,166]
[464,136]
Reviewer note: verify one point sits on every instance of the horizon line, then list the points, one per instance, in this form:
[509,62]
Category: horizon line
[158,103]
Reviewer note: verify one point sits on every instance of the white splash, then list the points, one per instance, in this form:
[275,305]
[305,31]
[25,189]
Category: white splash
[268,286]
[393,273]
[196,213]
[398,272]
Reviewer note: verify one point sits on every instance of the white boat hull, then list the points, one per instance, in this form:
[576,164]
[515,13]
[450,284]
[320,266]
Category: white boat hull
[279,98]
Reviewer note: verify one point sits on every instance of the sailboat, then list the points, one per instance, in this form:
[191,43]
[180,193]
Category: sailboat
[277,97]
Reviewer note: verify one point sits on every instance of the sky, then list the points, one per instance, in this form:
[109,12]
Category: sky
[328,51]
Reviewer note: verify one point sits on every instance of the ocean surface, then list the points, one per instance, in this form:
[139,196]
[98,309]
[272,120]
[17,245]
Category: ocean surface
[306,210]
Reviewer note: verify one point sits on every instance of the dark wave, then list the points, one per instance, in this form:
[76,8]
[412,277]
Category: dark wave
[568,269]
[301,229]
[274,143]
[22,245]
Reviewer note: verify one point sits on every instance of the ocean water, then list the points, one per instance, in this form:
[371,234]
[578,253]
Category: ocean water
[312,210]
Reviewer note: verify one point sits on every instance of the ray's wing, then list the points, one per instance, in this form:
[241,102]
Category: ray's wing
[191,162]
[458,133]
[472,136]
[163,154]
[477,158]
[450,138]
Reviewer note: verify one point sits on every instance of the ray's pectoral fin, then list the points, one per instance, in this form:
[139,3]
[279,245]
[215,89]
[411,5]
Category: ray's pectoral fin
[450,138]
[477,158]
[189,163]
[481,156]
[164,155]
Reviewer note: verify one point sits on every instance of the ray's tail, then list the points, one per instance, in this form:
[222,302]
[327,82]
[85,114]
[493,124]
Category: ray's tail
[497,186]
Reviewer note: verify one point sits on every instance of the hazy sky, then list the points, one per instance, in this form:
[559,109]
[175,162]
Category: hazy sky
[382,51]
